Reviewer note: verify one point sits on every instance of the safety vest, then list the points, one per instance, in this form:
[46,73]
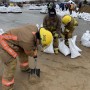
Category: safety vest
[5,45]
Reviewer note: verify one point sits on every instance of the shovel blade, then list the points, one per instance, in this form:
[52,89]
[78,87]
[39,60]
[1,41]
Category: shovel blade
[35,72]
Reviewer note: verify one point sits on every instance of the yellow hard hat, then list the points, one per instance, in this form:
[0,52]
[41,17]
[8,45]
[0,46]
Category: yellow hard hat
[46,37]
[66,19]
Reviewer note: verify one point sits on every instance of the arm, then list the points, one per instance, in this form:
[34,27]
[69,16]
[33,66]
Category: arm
[32,53]
[58,29]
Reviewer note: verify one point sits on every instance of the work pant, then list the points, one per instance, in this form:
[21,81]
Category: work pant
[55,40]
[10,64]
[70,11]
[68,35]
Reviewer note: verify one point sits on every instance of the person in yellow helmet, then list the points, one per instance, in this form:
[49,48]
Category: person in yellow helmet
[18,44]
[69,24]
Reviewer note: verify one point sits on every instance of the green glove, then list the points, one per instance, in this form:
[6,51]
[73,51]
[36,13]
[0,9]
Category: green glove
[67,30]
[55,35]
[62,36]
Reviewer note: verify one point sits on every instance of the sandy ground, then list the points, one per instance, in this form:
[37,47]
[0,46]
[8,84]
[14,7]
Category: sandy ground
[57,71]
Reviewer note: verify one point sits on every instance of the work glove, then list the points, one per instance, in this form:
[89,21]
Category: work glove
[62,36]
[67,30]
[56,35]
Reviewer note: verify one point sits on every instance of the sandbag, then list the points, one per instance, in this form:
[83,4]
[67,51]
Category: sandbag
[38,26]
[1,31]
[85,39]
[49,49]
[74,43]
[74,51]
[63,48]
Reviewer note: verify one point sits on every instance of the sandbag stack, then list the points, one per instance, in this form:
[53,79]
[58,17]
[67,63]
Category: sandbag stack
[85,39]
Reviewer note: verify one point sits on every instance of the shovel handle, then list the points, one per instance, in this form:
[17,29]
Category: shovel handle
[35,62]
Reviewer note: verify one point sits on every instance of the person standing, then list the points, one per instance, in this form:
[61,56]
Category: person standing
[71,7]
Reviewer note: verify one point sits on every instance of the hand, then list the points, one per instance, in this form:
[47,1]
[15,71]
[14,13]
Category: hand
[17,58]
[55,35]
[35,54]
[62,36]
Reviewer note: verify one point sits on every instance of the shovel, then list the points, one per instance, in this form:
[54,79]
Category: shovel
[34,74]
[35,71]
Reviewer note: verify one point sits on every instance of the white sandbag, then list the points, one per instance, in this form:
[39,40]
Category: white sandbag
[74,43]
[16,9]
[63,48]
[85,39]
[37,26]
[1,31]
[74,51]
[49,49]
[3,9]
[41,25]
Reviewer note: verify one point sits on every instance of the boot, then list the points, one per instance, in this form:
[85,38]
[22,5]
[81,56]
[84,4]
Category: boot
[28,70]
[56,50]
[7,87]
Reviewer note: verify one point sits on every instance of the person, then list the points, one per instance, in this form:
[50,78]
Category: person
[51,5]
[70,24]
[71,7]
[18,44]
[52,22]
[66,6]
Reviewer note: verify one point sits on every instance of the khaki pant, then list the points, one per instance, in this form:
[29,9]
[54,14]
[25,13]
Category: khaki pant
[68,35]
[10,64]
[55,40]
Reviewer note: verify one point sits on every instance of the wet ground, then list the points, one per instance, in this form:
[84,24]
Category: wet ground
[57,71]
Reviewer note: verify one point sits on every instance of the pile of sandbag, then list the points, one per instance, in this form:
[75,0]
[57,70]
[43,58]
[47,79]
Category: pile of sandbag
[62,13]
[10,9]
[34,7]
[14,9]
[3,9]
[84,16]
[74,14]
[85,39]
[72,50]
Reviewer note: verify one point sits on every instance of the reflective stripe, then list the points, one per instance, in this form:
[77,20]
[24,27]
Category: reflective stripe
[7,83]
[8,49]
[6,46]
[10,37]
[24,64]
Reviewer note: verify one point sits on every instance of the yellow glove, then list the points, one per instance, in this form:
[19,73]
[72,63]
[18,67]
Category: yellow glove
[75,22]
